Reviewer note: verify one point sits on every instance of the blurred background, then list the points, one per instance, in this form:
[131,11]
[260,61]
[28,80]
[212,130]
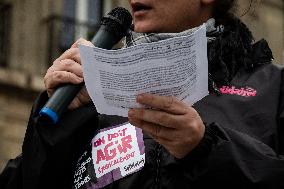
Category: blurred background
[34,32]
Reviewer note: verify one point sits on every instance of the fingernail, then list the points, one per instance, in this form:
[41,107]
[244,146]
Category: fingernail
[140,97]
[132,121]
[79,79]
[131,113]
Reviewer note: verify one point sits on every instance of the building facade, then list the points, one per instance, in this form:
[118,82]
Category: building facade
[266,20]
[34,32]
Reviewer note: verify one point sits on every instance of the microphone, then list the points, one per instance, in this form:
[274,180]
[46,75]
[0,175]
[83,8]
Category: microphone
[114,26]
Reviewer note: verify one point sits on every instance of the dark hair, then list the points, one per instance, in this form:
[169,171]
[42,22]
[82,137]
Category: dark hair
[224,10]
[232,49]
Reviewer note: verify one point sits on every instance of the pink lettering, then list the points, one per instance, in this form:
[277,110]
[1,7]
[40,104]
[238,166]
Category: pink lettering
[115,135]
[245,92]
[107,154]
[125,144]
[100,156]
[110,154]
[99,142]
[111,136]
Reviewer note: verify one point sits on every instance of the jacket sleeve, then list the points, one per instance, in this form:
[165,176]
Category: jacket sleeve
[231,157]
[11,177]
[237,159]
[49,152]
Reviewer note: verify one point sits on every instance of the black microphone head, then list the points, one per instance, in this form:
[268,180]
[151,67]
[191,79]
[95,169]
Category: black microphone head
[117,22]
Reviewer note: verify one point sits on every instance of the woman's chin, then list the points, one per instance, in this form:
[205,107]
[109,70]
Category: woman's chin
[145,27]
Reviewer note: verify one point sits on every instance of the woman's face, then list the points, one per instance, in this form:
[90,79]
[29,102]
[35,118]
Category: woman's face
[168,15]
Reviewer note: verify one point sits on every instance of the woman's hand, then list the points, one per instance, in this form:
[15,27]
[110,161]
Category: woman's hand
[68,69]
[172,123]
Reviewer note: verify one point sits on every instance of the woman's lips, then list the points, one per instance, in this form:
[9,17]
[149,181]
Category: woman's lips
[139,9]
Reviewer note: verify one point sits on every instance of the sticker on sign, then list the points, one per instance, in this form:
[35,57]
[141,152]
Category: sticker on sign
[119,149]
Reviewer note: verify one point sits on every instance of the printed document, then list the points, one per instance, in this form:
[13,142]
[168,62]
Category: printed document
[173,67]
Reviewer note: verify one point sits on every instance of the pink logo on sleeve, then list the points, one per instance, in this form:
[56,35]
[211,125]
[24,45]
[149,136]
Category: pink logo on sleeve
[244,91]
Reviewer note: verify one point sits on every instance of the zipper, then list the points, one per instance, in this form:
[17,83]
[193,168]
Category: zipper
[158,162]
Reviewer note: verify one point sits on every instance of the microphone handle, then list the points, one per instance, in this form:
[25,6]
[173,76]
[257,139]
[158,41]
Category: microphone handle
[63,96]
[104,39]
[59,102]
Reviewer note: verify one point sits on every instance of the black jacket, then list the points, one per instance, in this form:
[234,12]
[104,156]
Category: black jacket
[243,145]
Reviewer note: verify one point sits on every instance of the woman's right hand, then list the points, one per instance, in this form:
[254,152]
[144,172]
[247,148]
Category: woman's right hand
[68,69]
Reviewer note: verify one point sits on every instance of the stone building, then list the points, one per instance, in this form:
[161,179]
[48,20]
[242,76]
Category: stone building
[266,20]
[34,32]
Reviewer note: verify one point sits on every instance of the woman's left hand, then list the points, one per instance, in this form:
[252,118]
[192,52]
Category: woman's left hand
[172,123]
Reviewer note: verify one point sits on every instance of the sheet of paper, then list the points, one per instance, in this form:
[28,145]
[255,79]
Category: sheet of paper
[173,67]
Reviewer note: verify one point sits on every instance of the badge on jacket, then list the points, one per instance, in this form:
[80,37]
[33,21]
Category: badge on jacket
[116,152]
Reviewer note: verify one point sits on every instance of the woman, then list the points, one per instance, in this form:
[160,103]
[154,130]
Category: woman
[232,138]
